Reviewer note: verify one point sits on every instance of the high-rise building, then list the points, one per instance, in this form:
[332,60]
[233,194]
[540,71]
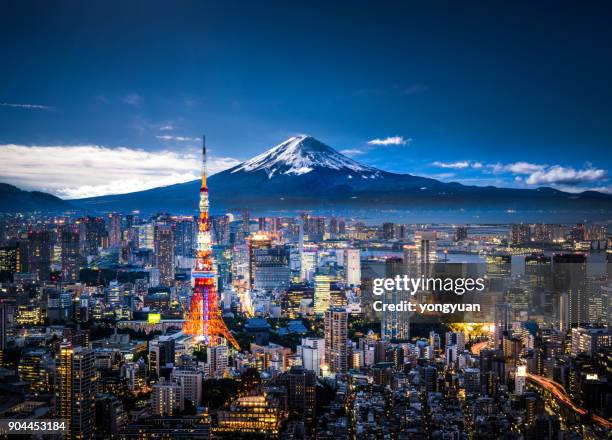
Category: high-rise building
[164,253]
[425,242]
[167,398]
[395,324]
[35,368]
[322,293]
[388,231]
[217,358]
[569,275]
[301,392]
[39,254]
[271,267]
[93,233]
[589,340]
[336,320]
[70,256]
[256,242]
[114,229]
[184,237]
[10,259]
[353,267]
[503,321]
[520,234]
[161,353]
[191,381]
[461,233]
[75,390]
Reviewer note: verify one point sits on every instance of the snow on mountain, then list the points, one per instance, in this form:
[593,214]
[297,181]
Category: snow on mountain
[302,154]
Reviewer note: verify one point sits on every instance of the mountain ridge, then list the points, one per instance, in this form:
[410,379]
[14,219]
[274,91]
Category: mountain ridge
[304,173]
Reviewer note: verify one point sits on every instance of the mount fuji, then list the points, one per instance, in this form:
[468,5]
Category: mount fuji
[304,173]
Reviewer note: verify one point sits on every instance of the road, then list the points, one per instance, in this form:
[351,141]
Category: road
[559,392]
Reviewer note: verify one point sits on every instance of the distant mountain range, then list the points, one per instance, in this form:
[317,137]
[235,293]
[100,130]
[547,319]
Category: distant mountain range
[13,199]
[302,173]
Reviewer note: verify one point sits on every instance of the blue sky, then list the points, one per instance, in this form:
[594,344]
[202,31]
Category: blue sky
[106,97]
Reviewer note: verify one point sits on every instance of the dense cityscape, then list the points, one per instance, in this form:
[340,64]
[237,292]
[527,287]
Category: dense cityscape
[102,327]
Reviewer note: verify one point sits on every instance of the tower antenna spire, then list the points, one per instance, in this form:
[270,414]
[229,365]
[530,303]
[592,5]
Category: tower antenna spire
[205,322]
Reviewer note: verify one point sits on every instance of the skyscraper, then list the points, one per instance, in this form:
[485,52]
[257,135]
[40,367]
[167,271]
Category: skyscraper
[353,267]
[70,256]
[301,392]
[336,339]
[164,253]
[114,229]
[322,293]
[39,254]
[425,242]
[75,391]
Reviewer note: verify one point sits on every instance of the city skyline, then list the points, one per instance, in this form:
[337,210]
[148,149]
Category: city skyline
[492,95]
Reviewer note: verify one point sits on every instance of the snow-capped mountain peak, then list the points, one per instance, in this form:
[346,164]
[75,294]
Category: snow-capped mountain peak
[301,155]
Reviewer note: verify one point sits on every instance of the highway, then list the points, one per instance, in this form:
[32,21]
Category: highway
[559,392]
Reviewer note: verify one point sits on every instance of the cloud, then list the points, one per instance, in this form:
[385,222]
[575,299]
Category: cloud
[132,99]
[167,127]
[176,138]
[75,171]
[393,140]
[516,167]
[459,165]
[567,176]
[453,165]
[26,106]
[352,152]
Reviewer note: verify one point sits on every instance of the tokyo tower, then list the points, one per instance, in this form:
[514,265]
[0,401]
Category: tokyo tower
[205,322]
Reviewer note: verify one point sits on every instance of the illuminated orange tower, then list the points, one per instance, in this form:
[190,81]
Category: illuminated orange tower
[205,322]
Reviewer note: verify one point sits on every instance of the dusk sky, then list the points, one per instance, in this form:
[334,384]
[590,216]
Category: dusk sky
[111,97]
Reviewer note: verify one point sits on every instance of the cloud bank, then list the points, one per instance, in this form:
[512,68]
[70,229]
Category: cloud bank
[76,171]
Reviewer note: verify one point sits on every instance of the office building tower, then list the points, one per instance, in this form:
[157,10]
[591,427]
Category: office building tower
[3,323]
[520,380]
[164,253]
[569,275]
[93,234]
[113,225]
[503,321]
[184,237]
[388,231]
[190,381]
[471,381]
[353,267]
[336,340]
[425,242]
[75,390]
[461,233]
[431,379]
[395,324]
[167,398]
[520,234]
[322,293]
[35,367]
[301,392]
[271,268]
[589,341]
[161,353]
[217,359]
[10,259]
[256,242]
[39,254]
[70,256]
[308,265]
